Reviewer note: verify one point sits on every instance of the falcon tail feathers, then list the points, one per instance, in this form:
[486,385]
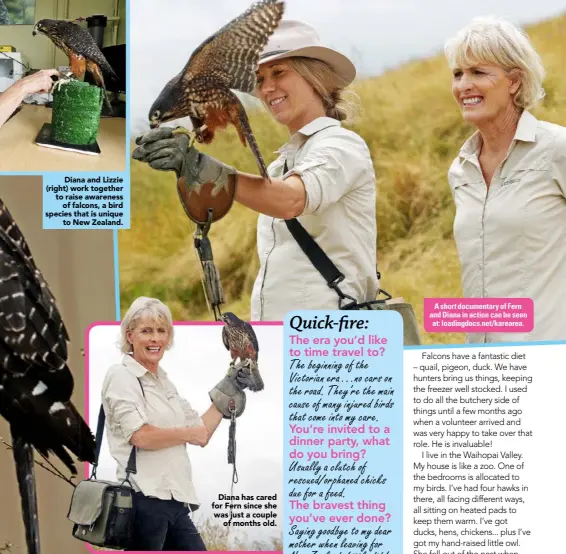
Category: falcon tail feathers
[105,96]
[258,381]
[23,456]
[81,441]
[109,71]
[68,431]
[97,74]
[106,100]
[248,134]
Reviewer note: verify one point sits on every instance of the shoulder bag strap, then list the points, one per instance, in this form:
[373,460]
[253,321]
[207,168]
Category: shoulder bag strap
[322,263]
[131,465]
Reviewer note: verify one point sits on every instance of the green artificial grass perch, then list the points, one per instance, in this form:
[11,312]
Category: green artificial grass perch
[76,113]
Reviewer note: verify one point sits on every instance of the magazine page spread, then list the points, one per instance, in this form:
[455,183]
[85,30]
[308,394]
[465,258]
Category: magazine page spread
[282,276]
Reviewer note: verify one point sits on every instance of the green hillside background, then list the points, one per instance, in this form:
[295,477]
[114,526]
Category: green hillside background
[414,130]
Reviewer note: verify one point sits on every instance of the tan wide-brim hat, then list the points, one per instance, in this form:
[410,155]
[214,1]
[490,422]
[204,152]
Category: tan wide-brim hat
[295,38]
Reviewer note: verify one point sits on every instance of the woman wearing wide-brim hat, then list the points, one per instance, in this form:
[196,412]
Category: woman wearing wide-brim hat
[323,176]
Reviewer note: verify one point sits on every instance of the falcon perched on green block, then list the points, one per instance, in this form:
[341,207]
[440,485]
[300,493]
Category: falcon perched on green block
[81,48]
[226,60]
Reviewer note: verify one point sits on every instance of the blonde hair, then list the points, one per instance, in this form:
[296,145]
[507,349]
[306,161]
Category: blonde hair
[337,102]
[145,308]
[499,42]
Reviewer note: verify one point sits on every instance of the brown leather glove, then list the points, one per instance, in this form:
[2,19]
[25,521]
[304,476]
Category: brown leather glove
[229,392]
[203,182]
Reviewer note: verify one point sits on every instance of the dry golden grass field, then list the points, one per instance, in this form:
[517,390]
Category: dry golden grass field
[414,130]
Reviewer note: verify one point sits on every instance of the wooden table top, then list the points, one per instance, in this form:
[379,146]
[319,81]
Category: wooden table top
[18,151]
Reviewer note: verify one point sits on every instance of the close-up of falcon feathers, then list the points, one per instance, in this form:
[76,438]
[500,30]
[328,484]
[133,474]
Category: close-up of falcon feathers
[81,48]
[240,339]
[35,382]
[226,60]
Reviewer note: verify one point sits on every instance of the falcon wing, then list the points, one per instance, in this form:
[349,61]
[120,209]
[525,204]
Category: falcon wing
[230,56]
[32,333]
[253,338]
[81,42]
[225,338]
[35,382]
[13,241]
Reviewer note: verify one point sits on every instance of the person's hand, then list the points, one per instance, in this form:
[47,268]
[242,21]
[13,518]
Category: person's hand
[168,149]
[228,395]
[198,436]
[37,82]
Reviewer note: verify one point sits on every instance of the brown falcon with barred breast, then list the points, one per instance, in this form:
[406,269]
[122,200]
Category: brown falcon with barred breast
[226,60]
[81,48]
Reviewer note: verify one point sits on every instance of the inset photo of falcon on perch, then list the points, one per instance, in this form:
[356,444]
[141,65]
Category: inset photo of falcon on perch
[63,107]
[83,52]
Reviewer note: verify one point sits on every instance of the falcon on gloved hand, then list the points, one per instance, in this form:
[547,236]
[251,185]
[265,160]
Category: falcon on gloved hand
[226,60]
[35,382]
[240,339]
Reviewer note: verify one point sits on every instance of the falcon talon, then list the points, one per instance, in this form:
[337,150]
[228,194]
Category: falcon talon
[182,131]
[63,81]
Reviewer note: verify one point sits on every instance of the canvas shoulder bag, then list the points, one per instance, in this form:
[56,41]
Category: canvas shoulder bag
[103,511]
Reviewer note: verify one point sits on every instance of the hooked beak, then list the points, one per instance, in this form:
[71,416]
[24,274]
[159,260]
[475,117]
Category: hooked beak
[153,125]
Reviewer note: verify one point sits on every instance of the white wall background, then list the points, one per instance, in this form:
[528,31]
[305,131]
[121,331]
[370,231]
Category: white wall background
[197,361]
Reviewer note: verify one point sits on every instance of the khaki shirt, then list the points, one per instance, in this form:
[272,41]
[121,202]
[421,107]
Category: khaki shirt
[164,473]
[511,238]
[335,166]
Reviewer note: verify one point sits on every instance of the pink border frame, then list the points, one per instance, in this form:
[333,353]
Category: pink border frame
[87,403]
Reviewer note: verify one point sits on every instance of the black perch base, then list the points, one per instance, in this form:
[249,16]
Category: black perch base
[44,138]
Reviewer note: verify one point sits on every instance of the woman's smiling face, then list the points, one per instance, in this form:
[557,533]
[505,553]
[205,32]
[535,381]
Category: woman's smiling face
[289,97]
[149,339]
[483,92]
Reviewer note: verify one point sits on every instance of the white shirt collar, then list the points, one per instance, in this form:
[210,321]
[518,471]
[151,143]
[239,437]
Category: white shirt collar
[308,130]
[137,369]
[526,132]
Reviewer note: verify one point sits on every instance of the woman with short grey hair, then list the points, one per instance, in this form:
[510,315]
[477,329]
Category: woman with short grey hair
[509,179]
[143,409]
